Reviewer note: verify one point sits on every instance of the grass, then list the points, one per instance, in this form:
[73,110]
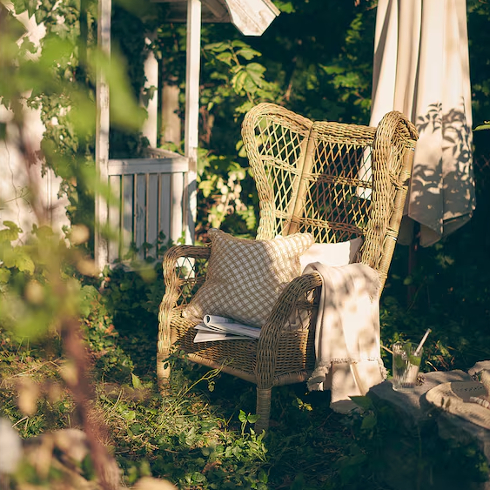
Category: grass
[200,436]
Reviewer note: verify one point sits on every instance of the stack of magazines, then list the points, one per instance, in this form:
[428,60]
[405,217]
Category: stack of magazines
[220,328]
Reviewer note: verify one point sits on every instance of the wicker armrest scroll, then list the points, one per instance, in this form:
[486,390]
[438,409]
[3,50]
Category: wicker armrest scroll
[183,273]
[269,335]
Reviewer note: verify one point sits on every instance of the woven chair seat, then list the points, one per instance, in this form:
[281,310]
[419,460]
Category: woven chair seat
[334,181]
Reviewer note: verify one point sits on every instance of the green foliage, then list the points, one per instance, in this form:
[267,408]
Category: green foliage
[132,299]
[197,435]
[450,296]
[479,40]
[324,71]
[28,303]
[61,82]
[111,362]
[386,447]
[232,67]
[483,126]
[228,198]
[130,30]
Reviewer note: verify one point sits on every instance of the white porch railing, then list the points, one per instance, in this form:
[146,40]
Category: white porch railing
[152,196]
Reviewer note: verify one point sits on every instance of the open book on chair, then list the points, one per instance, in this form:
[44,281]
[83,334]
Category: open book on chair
[221,328]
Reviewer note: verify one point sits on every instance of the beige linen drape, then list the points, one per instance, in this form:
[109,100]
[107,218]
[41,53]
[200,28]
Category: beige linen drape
[421,68]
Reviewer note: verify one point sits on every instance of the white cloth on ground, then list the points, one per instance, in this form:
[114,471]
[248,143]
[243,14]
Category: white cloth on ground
[347,337]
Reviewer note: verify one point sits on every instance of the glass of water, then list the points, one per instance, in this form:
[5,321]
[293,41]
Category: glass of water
[406,364]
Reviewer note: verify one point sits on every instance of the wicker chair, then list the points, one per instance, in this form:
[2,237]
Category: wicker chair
[335,181]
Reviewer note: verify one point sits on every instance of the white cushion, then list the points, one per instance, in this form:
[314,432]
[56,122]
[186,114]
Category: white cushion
[332,254]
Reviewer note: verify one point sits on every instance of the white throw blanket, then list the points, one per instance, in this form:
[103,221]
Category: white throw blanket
[347,343]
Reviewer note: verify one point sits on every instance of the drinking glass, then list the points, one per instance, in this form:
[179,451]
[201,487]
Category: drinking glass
[406,364]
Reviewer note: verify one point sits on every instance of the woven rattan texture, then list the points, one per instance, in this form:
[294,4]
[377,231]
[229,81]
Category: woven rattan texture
[335,181]
[242,353]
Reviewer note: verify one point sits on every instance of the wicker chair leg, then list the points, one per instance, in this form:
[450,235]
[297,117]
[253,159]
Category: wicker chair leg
[263,409]
[163,372]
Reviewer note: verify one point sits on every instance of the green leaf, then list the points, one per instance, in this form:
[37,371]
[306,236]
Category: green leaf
[130,415]
[238,44]
[255,68]
[255,72]
[225,58]
[198,477]
[483,126]
[4,275]
[415,360]
[207,187]
[19,6]
[368,422]
[217,47]
[363,402]
[31,7]
[136,382]
[286,7]
[399,362]
[11,225]
[238,81]
[250,85]
[248,53]
[262,476]
[11,233]
[242,416]
[18,257]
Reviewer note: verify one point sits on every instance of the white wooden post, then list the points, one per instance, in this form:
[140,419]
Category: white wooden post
[171,122]
[102,132]
[150,129]
[192,111]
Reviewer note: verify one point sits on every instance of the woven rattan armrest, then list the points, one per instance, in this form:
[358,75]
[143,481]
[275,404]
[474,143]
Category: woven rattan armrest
[181,273]
[173,254]
[184,272]
[270,333]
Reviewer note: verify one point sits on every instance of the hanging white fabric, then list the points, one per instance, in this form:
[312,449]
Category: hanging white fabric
[421,68]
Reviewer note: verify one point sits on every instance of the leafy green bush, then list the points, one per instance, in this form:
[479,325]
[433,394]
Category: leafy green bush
[133,297]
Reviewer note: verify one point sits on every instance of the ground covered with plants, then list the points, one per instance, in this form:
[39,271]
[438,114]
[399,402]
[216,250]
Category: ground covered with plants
[201,434]
[78,348]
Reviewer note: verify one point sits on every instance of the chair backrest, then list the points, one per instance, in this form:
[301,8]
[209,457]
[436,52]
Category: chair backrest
[335,181]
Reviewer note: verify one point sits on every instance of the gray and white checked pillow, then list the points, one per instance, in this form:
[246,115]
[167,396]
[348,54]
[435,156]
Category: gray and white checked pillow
[246,277]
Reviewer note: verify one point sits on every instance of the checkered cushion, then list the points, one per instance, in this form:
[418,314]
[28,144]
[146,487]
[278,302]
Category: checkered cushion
[245,277]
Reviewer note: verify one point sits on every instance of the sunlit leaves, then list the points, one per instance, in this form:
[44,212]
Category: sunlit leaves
[136,382]
[11,30]
[18,257]
[217,47]
[284,6]
[29,5]
[483,126]
[10,233]
[225,58]
[247,78]
[38,287]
